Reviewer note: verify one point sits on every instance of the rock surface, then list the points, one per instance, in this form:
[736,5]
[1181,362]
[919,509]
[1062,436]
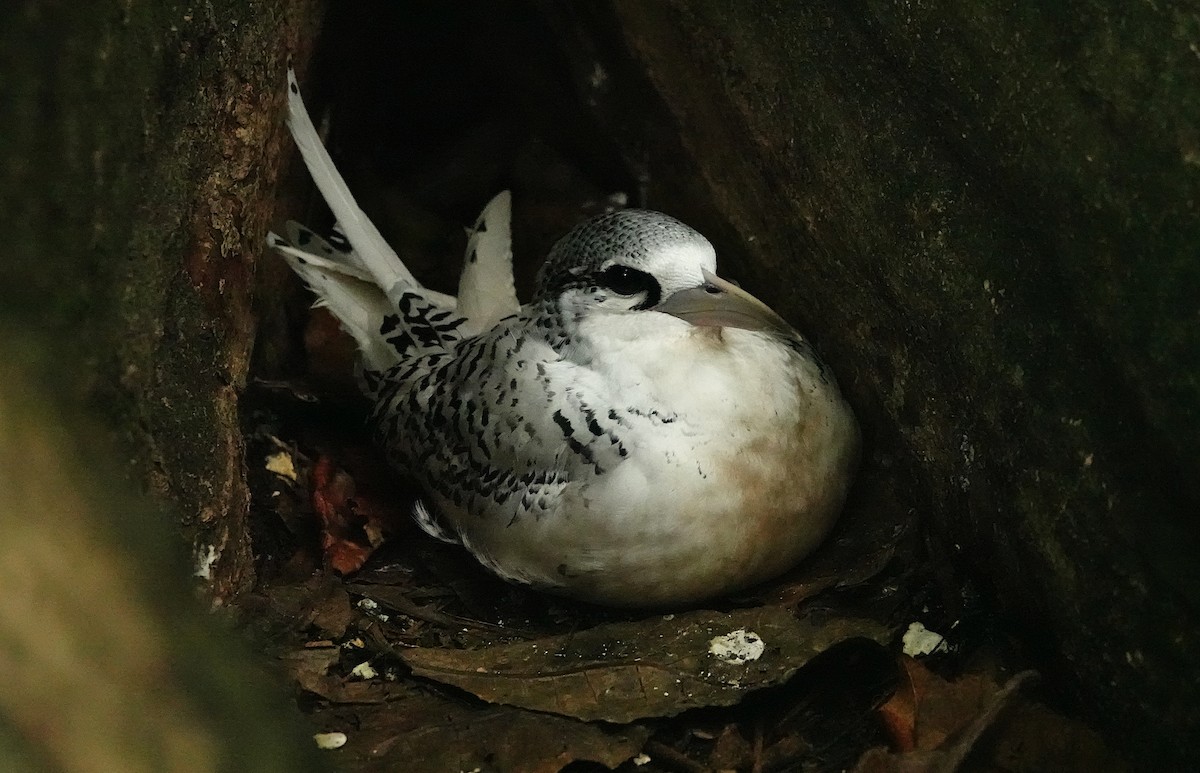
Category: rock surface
[987,219]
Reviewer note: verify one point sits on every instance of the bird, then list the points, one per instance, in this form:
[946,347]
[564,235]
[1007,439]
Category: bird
[642,433]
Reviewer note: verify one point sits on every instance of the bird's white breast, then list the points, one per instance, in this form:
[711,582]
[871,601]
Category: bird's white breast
[739,455]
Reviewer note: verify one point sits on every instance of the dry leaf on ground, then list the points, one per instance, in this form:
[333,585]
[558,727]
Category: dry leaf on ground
[354,521]
[863,544]
[620,672]
[935,725]
[426,733]
[343,540]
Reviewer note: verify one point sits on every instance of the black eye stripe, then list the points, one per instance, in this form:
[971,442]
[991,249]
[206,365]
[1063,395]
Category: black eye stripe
[628,282]
[624,280]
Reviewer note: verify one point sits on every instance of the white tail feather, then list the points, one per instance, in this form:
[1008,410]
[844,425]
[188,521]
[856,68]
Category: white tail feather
[485,290]
[317,257]
[362,281]
[429,523]
[356,302]
[379,258]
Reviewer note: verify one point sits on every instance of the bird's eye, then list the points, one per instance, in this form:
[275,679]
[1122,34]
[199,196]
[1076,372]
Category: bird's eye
[624,280]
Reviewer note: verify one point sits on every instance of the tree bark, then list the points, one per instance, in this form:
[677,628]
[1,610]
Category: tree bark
[141,144]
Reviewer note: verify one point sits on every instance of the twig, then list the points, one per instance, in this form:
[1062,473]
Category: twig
[757,767]
[674,758]
[955,756]
[390,597]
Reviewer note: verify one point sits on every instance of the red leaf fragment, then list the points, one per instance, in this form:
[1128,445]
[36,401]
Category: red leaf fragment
[344,537]
[899,713]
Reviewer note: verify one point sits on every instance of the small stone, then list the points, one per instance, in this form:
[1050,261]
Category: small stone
[330,740]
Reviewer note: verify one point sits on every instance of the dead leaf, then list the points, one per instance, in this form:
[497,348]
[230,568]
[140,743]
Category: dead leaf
[343,541]
[319,601]
[330,354]
[731,750]
[620,672]
[354,521]
[927,710]
[950,753]
[396,600]
[332,613]
[863,544]
[309,667]
[944,709]
[1034,739]
[949,720]
[899,713]
[420,732]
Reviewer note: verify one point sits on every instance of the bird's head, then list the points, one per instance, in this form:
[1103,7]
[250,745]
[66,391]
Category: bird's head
[638,261]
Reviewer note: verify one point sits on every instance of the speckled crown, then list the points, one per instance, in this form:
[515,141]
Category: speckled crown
[629,235]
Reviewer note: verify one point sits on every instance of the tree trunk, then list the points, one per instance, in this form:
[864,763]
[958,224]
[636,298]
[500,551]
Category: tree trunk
[141,144]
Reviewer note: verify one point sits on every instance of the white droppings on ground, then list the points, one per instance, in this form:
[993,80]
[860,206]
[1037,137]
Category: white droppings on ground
[364,670]
[737,647]
[372,609]
[919,640]
[281,464]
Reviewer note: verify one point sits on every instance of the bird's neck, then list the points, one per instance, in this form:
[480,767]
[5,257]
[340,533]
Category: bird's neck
[558,327]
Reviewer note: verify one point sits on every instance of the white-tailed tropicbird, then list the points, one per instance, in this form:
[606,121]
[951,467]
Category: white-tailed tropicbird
[642,433]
